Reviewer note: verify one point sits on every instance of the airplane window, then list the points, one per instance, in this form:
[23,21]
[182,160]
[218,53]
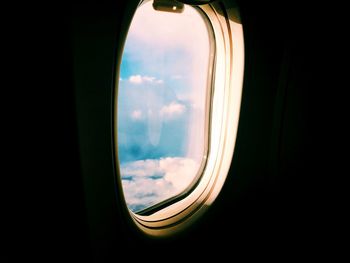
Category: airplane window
[163,105]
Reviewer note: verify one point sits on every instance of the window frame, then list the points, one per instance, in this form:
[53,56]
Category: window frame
[207,114]
[226,91]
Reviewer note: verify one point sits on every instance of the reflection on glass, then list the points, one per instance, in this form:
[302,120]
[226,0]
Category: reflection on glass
[162,104]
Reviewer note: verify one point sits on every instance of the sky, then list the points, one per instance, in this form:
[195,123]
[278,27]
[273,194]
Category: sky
[161,104]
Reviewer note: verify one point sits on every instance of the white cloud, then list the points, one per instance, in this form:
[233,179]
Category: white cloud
[172,110]
[147,182]
[178,171]
[138,79]
[136,115]
[148,79]
[142,192]
[141,168]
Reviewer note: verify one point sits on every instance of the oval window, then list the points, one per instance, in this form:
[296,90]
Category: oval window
[163,105]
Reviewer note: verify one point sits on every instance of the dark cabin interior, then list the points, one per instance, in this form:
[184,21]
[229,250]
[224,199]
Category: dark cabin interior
[267,207]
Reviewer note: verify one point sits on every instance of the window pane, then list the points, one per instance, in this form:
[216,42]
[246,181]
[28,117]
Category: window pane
[162,104]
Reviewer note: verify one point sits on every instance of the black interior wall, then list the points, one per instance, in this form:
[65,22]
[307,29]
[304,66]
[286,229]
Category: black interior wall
[267,203]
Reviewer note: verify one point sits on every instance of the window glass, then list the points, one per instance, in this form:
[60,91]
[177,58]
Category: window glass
[162,105]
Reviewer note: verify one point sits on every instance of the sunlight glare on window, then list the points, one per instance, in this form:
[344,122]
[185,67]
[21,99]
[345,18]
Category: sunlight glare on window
[162,104]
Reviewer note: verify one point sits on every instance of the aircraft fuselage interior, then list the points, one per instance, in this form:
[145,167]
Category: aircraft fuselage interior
[174,129]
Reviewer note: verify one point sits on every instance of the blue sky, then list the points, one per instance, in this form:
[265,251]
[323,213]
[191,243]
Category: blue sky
[161,104]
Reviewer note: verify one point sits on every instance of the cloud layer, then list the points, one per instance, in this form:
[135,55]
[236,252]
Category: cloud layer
[138,79]
[147,182]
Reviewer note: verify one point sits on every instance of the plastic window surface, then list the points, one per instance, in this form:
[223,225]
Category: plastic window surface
[163,106]
[178,98]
